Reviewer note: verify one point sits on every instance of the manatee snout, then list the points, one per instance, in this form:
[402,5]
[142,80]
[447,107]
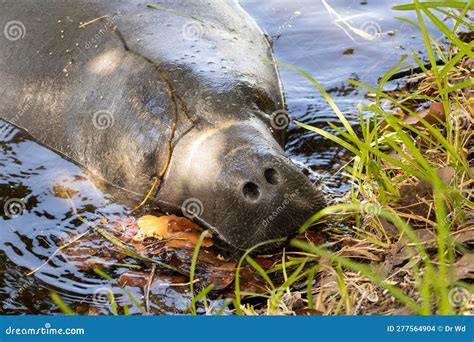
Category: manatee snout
[247,189]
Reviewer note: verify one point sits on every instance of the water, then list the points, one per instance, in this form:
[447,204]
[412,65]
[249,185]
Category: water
[311,36]
[304,34]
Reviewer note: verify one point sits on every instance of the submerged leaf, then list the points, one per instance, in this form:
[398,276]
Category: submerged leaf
[153,226]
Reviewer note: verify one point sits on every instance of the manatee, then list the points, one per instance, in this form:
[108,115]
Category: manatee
[177,103]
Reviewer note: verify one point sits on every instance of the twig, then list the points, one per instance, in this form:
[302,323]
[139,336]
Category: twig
[93,21]
[57,251]
[148,289]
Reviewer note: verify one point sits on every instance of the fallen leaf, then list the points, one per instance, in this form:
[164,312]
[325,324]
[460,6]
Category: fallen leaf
[390,229]
[314,236]
[125,228]
[63,192]
[153,226]
[187,240]
[461,117]
[308,312]
[383,269]
[464,236]
[266,263]
[140,279]
[464,267]
[87,309]
[446,174]
[397,156]
[416,199]
[182,224]
[427,238]
[404,311]
[133,279]
[434,114]
[404,249]
[221,276]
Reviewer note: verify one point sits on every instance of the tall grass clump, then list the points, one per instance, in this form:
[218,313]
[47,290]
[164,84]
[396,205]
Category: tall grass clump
[400,155]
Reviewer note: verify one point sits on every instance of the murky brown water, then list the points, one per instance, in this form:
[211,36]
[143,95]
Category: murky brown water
[305,33]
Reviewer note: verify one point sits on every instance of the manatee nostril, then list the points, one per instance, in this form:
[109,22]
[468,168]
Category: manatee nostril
[272,176]
[251,191]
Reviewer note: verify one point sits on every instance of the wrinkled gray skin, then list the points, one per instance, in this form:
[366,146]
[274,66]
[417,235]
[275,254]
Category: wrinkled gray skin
[145,69]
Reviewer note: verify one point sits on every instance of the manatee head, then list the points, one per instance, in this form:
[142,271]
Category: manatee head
[237,179]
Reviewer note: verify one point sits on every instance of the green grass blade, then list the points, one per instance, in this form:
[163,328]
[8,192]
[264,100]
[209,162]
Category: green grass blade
[170,10]
[113,303]
[126,310]
[326,96]
[448,33]
[201,295]
[436,133]
[330,136]
[459,20]
[361,268]
[460,85]
[435,4]
[193,269]
[61,305]
[128,293]
[238,294]
[260,270]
